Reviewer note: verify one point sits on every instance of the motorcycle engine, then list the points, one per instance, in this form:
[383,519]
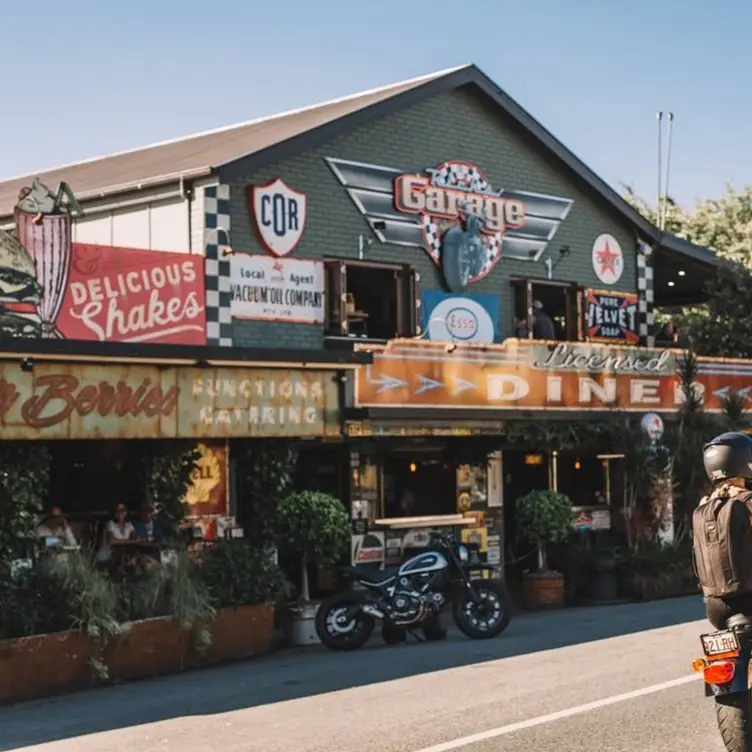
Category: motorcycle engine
[405,607]
[408,606]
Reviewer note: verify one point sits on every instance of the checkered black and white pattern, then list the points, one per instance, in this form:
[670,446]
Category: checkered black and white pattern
[645,295]
[216,244]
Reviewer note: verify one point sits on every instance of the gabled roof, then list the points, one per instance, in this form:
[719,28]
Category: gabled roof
[198,154]
[239,149]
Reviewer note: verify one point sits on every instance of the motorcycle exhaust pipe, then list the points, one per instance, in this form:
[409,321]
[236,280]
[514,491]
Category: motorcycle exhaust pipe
[370,610]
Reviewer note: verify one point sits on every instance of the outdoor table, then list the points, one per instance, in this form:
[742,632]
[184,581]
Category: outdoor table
[130,554]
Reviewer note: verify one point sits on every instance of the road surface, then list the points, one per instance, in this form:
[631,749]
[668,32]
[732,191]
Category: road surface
[607,679]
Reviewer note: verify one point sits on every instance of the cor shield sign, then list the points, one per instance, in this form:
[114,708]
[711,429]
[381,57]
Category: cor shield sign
[279,214]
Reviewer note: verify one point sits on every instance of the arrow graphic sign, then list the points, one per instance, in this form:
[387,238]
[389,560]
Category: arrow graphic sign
[428,384]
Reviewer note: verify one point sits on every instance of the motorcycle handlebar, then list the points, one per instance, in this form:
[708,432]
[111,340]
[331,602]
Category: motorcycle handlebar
[442,537]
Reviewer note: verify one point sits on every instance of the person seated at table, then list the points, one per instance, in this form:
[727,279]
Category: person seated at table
[55,530]
[148,528]
[117,531]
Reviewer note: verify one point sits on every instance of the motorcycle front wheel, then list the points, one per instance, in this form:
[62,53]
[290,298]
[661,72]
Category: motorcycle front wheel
[487,615]
[334,628]
[734,721]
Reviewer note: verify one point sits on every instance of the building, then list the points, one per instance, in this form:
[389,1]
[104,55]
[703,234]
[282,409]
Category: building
[422,226]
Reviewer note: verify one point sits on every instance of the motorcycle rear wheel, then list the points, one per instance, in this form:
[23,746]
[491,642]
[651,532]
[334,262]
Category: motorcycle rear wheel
[346,639]
[469,616]
[734,717]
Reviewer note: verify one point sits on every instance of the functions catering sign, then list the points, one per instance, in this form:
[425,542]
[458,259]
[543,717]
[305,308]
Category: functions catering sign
[454,214]
[523,374]
[139,402]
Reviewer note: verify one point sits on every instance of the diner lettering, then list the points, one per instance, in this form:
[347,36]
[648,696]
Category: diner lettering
[567,358]
[58,396]
[509,388]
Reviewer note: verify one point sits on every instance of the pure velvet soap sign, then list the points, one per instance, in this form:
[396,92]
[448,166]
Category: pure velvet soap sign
[611,316]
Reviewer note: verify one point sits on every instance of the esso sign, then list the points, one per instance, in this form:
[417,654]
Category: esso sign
[460,320]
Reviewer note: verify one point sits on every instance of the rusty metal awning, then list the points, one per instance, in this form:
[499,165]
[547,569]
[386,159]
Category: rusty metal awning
[61,350]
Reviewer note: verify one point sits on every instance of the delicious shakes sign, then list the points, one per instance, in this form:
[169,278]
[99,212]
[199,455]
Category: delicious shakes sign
[102,402]
[522,374]
[454,214]
[127,295]
[54,288]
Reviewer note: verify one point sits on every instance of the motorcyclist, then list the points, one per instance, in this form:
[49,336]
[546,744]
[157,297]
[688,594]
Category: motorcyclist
[728,463]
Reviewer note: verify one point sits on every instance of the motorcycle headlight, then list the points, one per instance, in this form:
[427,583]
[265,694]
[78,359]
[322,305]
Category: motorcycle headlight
[464,555]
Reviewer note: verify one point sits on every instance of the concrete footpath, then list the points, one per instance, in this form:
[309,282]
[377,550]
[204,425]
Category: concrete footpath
[602,678]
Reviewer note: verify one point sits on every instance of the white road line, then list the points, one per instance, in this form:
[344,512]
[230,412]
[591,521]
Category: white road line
[559,715]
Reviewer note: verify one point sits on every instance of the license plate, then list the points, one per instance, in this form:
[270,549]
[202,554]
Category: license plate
[718,643]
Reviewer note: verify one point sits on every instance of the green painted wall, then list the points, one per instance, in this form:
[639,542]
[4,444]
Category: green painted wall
[458,125]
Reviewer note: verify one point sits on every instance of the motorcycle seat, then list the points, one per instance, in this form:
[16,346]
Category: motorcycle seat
[370,573]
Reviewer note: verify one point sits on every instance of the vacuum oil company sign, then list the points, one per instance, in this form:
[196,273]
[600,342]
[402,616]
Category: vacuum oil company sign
[522,374]
[114,401]
[265,288]
[454,214]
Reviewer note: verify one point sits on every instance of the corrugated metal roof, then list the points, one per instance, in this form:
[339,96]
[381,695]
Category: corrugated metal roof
[194,155]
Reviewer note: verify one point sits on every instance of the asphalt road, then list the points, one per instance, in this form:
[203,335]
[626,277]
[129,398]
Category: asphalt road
[607,679]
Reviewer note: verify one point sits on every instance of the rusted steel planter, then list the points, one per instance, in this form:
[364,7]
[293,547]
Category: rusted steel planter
[50,664]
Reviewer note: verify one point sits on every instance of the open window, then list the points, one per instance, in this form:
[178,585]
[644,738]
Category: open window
[560,302]
[371,301]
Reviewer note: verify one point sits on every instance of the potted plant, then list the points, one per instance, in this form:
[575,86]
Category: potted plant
[243,582]
[312,528]
[545,518]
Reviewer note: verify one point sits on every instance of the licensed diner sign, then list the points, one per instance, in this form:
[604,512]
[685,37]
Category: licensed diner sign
[147,402]
[527,375]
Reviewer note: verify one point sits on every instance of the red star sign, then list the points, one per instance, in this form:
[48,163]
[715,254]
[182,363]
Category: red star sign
[607,259]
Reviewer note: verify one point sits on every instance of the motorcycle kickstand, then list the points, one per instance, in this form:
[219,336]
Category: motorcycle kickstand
[414,634]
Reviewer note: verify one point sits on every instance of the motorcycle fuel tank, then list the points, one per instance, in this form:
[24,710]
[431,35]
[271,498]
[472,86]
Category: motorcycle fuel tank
[431,561]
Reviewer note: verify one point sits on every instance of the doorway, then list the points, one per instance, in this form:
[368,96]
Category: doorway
[417,485]
[523,472]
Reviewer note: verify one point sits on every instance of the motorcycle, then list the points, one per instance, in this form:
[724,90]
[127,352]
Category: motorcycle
[411,595]
[726,670]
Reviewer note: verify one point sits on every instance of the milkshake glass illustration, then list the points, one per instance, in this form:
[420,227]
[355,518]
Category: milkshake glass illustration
[44,223]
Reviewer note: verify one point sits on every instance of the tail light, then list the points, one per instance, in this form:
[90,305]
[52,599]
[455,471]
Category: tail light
[718,672]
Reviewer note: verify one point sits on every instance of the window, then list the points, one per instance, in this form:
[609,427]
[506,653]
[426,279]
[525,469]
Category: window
[591,481]
[371,301]
[560,302]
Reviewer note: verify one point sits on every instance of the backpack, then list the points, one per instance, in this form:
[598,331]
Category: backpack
[722,545]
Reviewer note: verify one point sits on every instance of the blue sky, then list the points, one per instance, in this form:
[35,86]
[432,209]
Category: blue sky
[88,77]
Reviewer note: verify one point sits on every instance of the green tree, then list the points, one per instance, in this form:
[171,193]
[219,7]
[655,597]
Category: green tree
[721,326]
[723,224]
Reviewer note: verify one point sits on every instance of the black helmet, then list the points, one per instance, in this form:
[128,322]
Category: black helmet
[728,456]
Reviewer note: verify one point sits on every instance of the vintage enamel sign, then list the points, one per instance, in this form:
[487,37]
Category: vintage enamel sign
[279,213]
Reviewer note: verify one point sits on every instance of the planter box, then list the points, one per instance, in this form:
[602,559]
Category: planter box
[49,664]
[655,588]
